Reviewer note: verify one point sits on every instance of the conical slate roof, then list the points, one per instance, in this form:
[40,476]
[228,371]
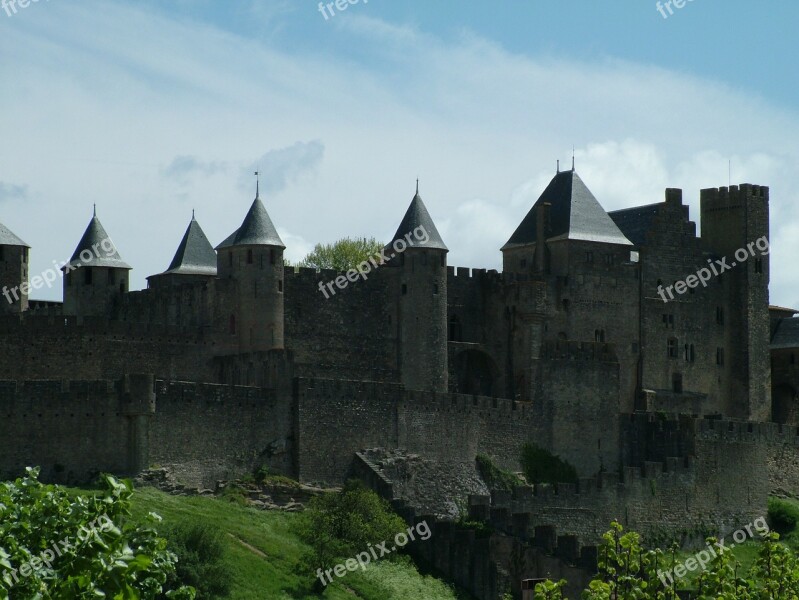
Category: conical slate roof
[7,238]
[195,255]
[417,216]
[575,214]
[98,244]
[256,230]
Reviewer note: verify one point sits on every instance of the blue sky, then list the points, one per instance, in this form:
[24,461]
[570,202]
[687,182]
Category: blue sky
[152,109]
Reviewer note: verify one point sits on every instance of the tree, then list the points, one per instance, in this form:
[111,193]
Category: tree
[54,545]
[200,549]
[343,255]
[341,525]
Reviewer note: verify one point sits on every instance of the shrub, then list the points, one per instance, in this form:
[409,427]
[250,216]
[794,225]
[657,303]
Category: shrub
[340,525]
[783,515]
[200,549]
[541,466]
[496,478]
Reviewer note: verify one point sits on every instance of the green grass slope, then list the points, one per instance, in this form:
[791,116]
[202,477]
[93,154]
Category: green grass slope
[263,554]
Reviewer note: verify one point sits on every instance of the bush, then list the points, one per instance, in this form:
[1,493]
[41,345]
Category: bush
[340,525]
[496,478]
[783,515]
[541,466]
[200,549]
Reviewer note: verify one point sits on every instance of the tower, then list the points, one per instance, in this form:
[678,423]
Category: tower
[96,275]
[735,228]
[13,273]
[420,256]
[250,267]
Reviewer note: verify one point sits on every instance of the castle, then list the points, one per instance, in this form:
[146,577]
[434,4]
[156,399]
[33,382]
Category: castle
[230,360]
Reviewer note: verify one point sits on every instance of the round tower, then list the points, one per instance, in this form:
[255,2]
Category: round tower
[420,256]
[13,273]
[96,275]
[251,259]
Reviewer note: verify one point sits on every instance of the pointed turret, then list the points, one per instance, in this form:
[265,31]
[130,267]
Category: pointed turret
[13,272]
[251,259]
[96,275]
[421,266]
[418,218]
[195,259]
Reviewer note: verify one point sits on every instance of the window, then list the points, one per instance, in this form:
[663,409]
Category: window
[599,335]
[230,258]
[87,276]
[24,255]
[589,257]
[280,285]
[690,355]
[271,256]
[668,321]
[249,256]
[454,329]
[676,383]
[609,259]
[671,348]
[404,289]
[634,348]
[719,315]
[435,289]
[720,357]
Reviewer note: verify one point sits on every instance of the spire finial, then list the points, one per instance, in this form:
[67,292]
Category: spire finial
[558,166]
[417,186]
[95,210]
[572,158]
[257,185]
[192,214]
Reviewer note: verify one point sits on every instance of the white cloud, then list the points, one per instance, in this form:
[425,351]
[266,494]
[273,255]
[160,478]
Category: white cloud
[104,95]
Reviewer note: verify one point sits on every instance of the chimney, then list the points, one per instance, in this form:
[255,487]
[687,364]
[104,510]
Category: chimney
[541,228]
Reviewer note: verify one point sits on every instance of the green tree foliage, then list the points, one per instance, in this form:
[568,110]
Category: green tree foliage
[55,546]
[339,526]
[541,466]
[626,571]
[782,515]
[343,255]
[200,550]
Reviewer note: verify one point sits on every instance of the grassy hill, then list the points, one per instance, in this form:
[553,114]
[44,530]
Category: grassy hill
[264,554]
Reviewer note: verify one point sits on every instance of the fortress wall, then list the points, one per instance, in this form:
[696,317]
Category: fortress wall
[35,347]
[71,429]
[458,427]
[349,335]
[724,487]
[210,432]
[335,419]
[577,386]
